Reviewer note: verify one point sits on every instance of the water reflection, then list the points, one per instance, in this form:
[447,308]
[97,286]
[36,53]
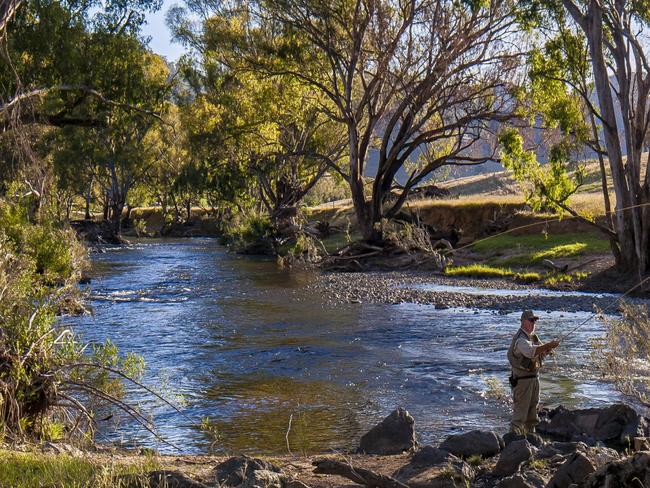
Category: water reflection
[247,346]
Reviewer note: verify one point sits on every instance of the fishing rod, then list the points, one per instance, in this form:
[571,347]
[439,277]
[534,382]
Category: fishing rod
[548,221]
[609,307]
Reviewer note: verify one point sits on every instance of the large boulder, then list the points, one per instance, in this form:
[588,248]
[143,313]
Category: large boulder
[473,443]
[532,438]
[158,479]
[241,470]
[574,470]
[262,478]
[512,456]
[632,471]
[616,424]
[514,481]
[432,456]
[394,435]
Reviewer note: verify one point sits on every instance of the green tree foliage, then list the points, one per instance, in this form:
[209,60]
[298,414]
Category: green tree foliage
[263,138]
[82,68]
[595,53]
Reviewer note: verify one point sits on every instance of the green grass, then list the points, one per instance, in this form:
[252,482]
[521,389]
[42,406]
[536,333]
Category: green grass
[556,279]
[28,470]
[519,251]
[538,464]
[561,251]
[485,271]
[538,243]
[475,460]
[479,271]
[337,241]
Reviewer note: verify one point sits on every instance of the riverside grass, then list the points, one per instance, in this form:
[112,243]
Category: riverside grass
[552,279]
[486,271]
[33,469]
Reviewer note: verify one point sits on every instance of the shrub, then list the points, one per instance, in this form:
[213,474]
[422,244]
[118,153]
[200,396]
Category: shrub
[49,382]
[621,354]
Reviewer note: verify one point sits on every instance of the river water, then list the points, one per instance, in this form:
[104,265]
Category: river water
[241,342]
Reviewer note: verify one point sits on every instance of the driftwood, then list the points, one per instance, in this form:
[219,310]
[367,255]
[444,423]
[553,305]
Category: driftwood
[358,256]
[555,267]
[361,476]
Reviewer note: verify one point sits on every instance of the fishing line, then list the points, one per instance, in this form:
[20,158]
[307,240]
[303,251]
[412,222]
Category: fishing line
[581,324]
[544,222]
[557,219]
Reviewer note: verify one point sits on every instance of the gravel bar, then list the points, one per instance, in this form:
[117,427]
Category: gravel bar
[402,287]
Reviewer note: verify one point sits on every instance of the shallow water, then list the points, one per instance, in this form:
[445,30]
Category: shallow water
[243,343]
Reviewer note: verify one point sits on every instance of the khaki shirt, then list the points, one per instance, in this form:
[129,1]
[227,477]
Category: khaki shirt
[525,346]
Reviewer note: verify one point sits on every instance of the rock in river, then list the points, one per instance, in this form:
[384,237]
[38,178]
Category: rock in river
[394,435]
[616,424]
[473,443]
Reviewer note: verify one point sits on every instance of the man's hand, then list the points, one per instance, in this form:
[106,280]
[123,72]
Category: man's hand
[544,349]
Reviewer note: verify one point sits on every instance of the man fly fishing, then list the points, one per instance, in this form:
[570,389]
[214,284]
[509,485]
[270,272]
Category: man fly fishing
[525,356]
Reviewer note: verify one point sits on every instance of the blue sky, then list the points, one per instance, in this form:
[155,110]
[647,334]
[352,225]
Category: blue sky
[156,29]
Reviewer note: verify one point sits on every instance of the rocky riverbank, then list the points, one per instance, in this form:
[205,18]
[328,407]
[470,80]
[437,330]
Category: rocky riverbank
[590,448]
[436,289]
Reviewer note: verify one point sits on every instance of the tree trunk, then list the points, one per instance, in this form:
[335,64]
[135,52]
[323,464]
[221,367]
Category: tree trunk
[106,205]
[87,210]
[625,225]
[188,209]
[116,218]
[366,218]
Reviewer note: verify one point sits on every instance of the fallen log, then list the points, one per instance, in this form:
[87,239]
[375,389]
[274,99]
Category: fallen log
[359,475]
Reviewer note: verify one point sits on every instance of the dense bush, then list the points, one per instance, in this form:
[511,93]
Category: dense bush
[56,254]
[49,382]
[245,230]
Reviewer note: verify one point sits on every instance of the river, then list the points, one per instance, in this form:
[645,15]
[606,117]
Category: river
[239,341]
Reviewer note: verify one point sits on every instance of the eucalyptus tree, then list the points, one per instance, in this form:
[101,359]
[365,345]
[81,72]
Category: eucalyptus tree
[617,50]
[271,131]
[52,53]
[417,81]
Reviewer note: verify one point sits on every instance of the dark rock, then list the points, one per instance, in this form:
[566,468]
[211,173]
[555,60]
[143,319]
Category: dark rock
[432,456]
[512,456]
[575,469]
[532,438]
[236,470]
[394,435]
[158,479]
[616,424]
[551,449]
[632,471]
[473,443]
[451,475]
[515,481]
[599,456]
